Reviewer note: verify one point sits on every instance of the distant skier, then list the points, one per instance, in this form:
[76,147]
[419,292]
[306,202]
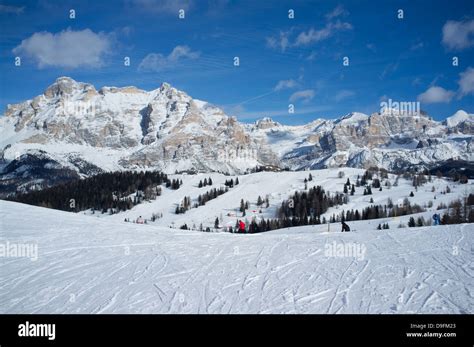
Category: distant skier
[241,227]
[140,220]
[345,227]
[436,219]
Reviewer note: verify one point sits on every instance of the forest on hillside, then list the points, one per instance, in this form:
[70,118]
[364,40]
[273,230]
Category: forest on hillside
[109,192]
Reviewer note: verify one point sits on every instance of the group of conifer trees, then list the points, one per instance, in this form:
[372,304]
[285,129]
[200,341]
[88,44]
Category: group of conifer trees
[311,203]
[106,192]
[230,183]
[202,199]
[206,182]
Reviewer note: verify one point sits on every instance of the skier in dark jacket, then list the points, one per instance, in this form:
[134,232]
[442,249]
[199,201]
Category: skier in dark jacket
[345,227]
[436,219]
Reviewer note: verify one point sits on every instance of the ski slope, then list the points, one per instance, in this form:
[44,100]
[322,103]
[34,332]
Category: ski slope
[102,265]
[278,187]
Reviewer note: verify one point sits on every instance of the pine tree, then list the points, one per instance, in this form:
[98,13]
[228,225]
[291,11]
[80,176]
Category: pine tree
[357,215]
[242,206]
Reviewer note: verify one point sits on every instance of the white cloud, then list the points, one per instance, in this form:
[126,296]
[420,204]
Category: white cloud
[312,56]
[11,9]
[344,94]
[389,69]
[371,47]
[466,82]
[68,48]
[458,35]
[338,11]
[282,42]
[304,95]
[126,30]
[312,36]
[416,81]
[285,84]
[182,52]
[416,46]
[161,6]
[436,95]
[160,62]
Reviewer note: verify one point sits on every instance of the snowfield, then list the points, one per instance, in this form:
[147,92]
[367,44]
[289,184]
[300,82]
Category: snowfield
[104,265]
[278,187]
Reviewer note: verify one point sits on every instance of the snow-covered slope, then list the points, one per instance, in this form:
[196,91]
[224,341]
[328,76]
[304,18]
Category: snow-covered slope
[92,265]
[459,117]
[279,186]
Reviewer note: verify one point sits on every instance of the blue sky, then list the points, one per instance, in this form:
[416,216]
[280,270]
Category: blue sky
[283,60]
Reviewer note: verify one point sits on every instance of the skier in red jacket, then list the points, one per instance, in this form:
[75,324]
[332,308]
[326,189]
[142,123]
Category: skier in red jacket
[241,227]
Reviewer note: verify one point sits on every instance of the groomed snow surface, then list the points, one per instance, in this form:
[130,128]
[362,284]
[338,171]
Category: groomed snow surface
[103,265]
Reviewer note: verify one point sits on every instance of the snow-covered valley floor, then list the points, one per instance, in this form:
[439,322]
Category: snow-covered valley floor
[102,265]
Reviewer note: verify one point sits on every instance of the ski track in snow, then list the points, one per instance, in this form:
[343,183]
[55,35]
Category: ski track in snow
[94,265]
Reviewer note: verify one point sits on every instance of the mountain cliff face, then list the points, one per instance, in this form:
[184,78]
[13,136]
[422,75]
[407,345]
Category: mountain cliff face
[392,140]
[75,128]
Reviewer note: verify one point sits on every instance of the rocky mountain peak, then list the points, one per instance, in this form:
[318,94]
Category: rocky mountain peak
[165,86]
[459,117]
[65,86]
[266,123]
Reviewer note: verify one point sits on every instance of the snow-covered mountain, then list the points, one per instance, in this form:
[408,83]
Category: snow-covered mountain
[391,140]
[164,128]
[72,130]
